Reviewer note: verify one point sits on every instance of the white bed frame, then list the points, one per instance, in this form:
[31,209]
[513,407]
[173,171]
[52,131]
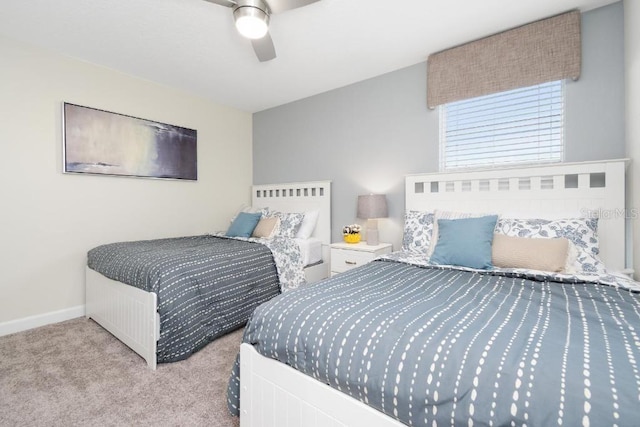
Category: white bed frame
[131,314]
[302,197]
[275,395]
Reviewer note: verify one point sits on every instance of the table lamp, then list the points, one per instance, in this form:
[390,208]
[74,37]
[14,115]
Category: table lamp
[371,207]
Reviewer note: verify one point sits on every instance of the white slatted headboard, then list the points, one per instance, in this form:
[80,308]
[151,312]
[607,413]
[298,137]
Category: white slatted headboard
[552,191]
[298,197]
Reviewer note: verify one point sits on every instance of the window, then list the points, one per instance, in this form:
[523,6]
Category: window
[523,125]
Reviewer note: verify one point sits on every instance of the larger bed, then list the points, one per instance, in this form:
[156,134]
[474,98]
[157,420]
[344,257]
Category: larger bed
[402,342]
[167,298]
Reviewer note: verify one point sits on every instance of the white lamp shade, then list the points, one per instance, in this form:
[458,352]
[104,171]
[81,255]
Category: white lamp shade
[372,206]
[251,22]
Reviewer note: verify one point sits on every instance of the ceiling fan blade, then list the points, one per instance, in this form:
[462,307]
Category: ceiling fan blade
[264,48]
[227,3]
[278,6]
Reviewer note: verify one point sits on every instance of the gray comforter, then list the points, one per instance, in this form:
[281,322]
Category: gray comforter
[206,286]
[431,346]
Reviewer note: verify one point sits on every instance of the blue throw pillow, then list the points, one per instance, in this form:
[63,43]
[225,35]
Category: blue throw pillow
[465,242]
[244,224]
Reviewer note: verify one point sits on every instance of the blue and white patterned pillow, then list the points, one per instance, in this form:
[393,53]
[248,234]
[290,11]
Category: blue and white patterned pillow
[418,228]
[581,232]
[290,222]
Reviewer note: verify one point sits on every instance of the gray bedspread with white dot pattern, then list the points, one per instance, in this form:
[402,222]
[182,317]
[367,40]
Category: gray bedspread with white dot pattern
[206,286]
[439,347]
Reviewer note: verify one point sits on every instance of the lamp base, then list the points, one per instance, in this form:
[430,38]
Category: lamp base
[372,237]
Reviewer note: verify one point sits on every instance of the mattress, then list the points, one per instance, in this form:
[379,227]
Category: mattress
[311,250]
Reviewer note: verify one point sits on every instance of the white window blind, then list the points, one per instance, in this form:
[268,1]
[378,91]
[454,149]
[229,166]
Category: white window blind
[523,125]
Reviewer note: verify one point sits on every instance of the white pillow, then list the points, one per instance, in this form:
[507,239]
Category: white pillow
[308,224]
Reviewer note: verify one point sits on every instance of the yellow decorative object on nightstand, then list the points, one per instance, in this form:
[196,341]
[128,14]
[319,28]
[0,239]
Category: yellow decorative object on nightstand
[352,238]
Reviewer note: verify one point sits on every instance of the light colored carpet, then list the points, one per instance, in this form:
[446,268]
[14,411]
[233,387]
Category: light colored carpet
[75,373]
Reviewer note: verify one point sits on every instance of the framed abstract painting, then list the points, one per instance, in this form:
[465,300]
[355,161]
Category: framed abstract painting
[101,142]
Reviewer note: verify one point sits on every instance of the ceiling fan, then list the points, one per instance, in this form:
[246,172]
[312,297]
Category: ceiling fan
[252,21]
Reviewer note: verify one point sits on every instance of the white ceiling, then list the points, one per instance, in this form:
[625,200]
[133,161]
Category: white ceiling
[193,45]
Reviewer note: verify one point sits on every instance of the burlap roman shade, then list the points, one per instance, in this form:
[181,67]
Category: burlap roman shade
[535,53]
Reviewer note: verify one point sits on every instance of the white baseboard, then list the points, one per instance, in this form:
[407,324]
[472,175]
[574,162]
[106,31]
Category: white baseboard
[31,322]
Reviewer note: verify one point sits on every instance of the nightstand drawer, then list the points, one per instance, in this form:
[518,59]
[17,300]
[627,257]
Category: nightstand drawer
[345,256]
[343,260]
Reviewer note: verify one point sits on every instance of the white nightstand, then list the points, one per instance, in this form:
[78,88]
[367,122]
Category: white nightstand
[345,256]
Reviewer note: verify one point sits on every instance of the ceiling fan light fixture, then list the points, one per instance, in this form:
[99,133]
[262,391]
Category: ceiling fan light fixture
[252,22]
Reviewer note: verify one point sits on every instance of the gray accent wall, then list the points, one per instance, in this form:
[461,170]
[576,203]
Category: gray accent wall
[595,104]
[367,136]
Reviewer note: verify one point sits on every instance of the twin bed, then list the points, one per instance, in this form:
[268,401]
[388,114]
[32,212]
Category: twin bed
[167,298]
[402,342]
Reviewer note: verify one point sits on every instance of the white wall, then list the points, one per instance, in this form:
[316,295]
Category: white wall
[632,81]
[49,220]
